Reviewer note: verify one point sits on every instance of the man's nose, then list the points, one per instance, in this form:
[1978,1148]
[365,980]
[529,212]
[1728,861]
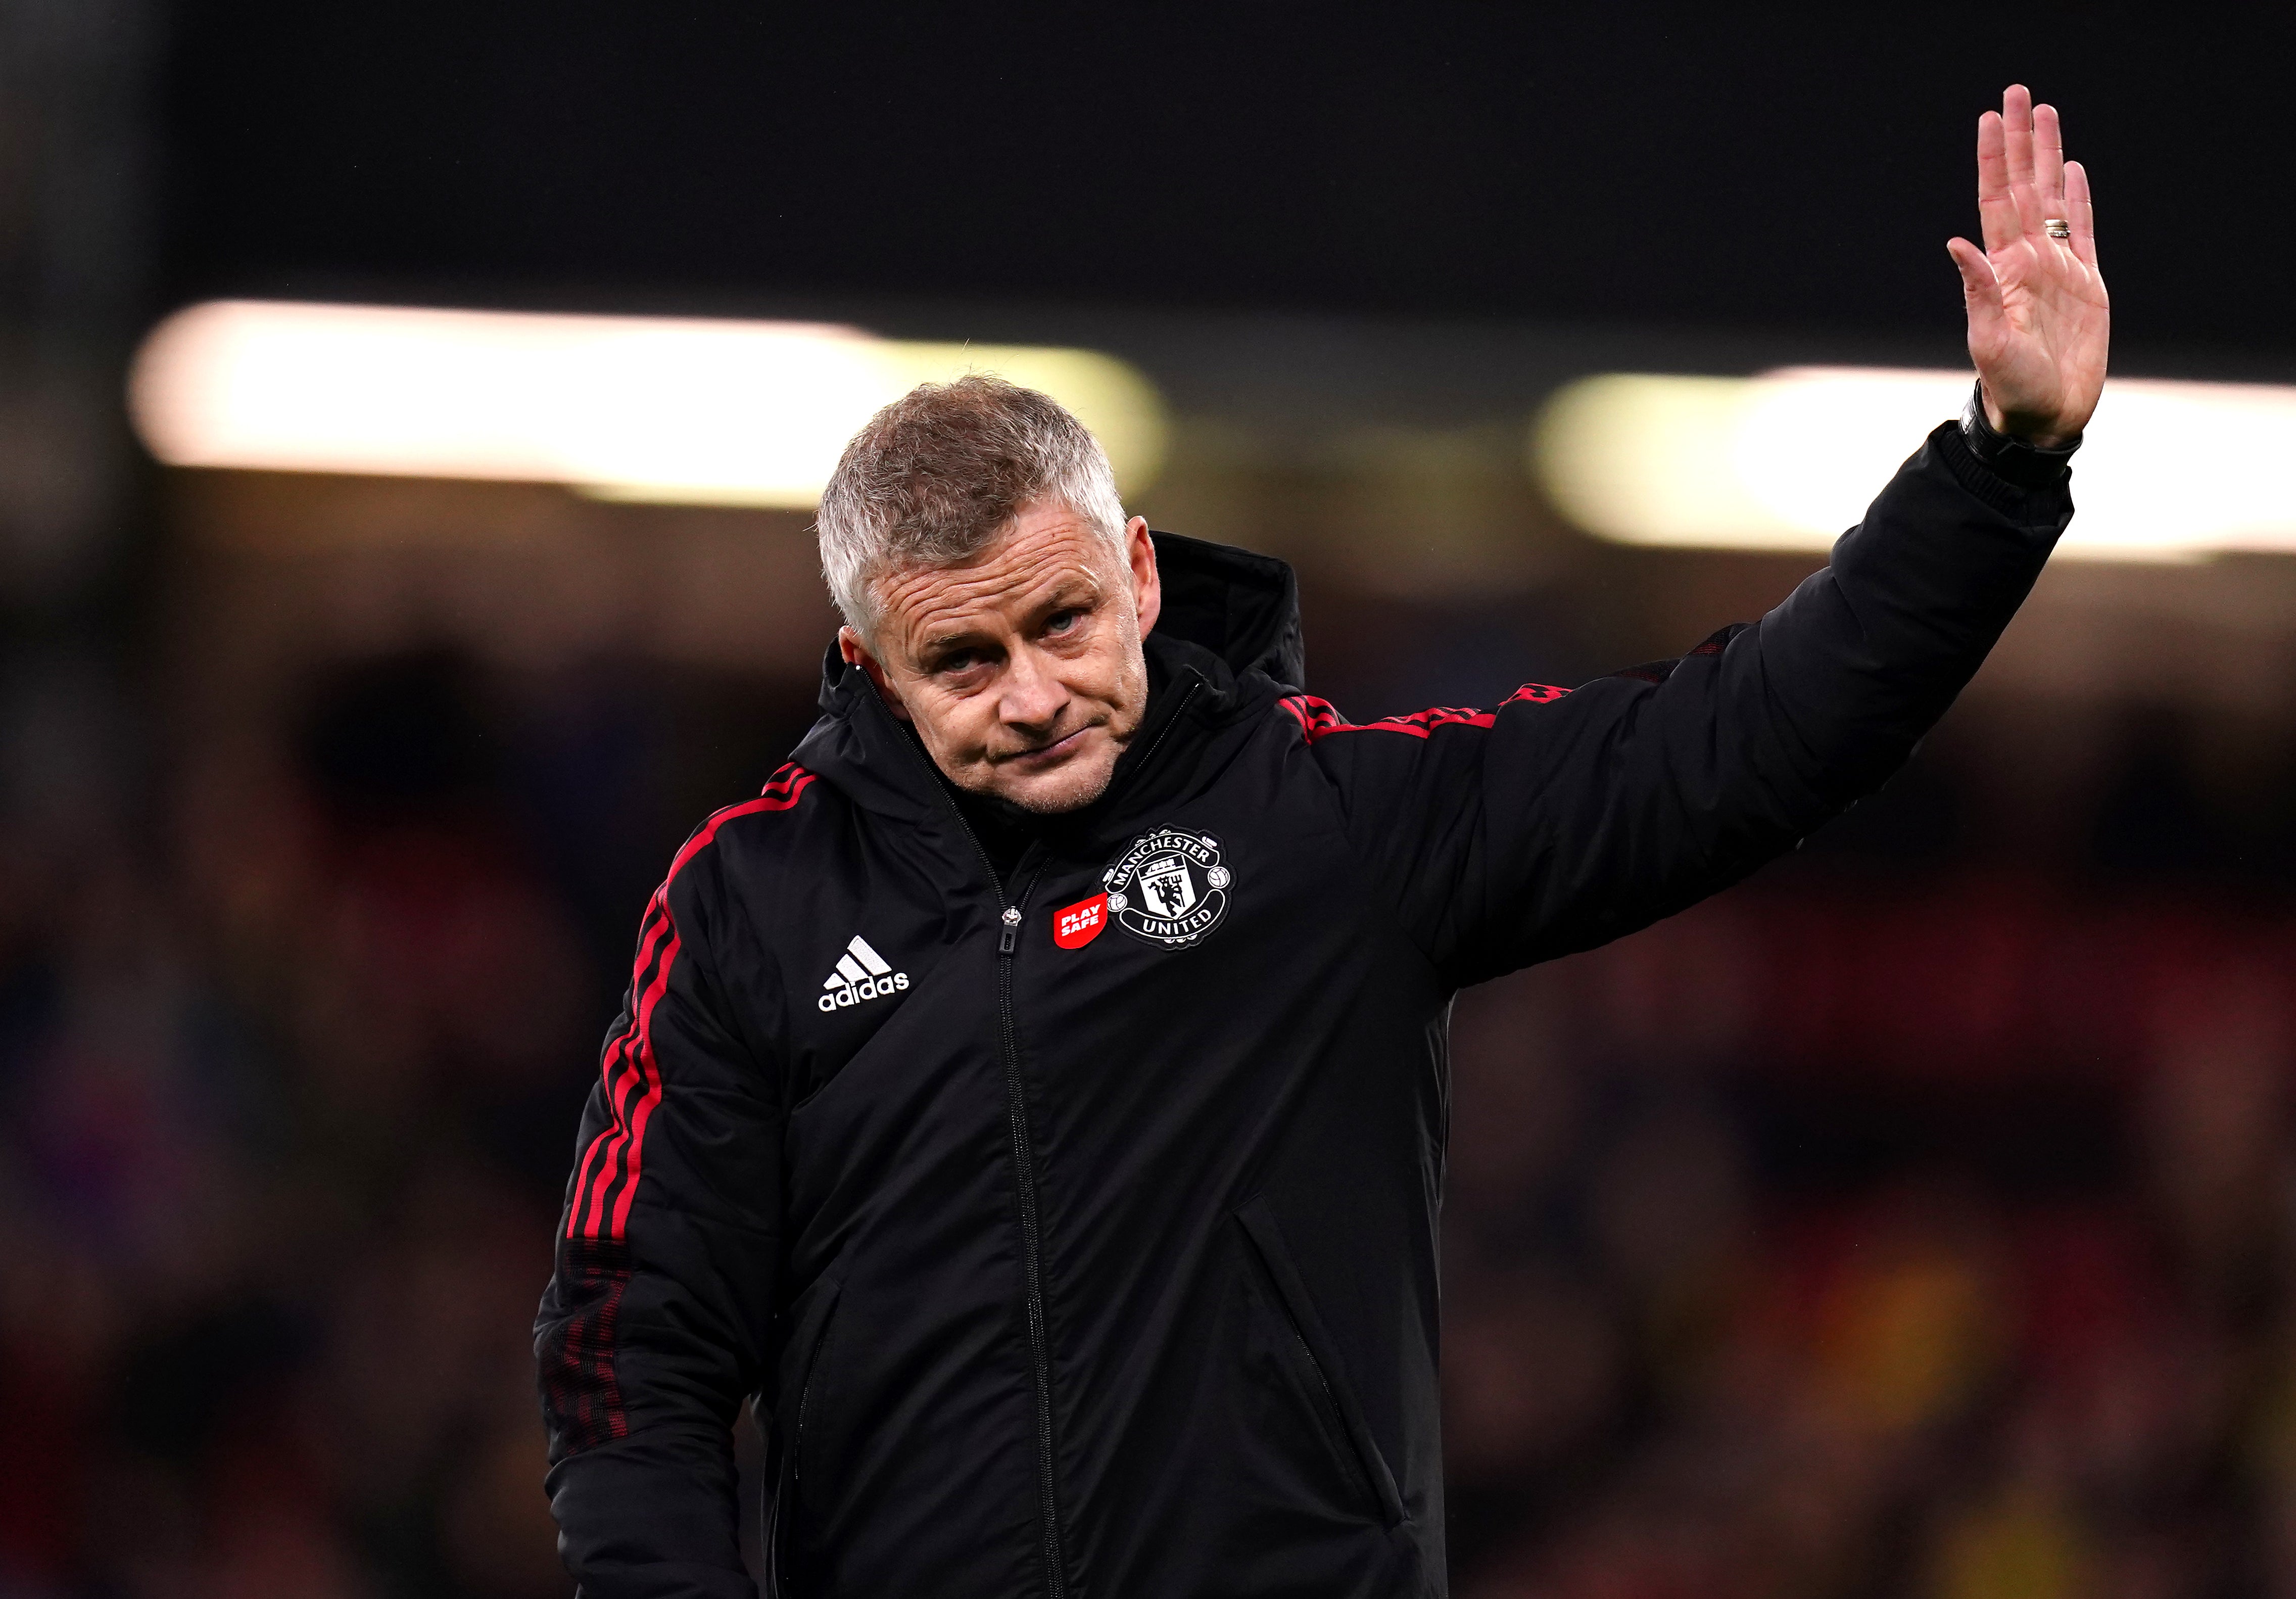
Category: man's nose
[1033,696]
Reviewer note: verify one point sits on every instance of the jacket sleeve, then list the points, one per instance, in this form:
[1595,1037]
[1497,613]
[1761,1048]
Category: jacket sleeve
[654,1323]
[1564,819]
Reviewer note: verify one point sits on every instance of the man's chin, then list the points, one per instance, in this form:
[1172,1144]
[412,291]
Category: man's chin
[1056,793]
[1071,785]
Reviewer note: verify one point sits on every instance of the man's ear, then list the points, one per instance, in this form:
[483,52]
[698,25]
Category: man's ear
[856,653]
[1147,586]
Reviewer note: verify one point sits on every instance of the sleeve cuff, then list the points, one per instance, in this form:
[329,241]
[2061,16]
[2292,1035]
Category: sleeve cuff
[2012,460]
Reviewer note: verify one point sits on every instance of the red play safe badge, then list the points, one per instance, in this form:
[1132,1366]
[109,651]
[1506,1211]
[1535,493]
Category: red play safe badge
[1074,926]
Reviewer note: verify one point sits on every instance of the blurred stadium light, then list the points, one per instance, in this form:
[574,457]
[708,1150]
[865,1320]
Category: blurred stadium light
[1785,461]
[677,410]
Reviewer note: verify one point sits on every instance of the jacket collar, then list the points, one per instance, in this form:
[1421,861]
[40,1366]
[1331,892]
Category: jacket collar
[1228,640]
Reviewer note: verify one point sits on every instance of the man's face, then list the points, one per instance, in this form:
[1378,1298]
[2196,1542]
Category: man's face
[1022,671]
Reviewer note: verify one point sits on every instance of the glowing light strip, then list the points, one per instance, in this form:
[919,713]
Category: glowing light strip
[1788,460]
[647,408]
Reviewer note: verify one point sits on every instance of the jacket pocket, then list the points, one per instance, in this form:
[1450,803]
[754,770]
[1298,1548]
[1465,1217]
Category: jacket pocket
[808,1344]
[1317,1364]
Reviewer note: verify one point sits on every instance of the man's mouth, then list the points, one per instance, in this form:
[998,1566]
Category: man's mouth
[1051,754]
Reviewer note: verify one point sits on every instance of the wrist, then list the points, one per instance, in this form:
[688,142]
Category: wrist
[2022,429]
[2026,461]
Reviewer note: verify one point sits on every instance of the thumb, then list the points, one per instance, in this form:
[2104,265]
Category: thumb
[1980,291]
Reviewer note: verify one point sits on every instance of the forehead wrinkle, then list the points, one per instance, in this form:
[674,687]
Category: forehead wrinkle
[1018,573]
[934,626]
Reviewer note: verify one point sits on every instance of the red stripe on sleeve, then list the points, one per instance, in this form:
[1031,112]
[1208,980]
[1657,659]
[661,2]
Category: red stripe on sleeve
[649,942]
[638,1069]
[632,1074]
[1318,718]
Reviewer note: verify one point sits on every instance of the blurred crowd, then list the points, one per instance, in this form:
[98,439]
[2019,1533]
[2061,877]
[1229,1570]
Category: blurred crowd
[293,1049]
[1874,1238]
[1913,1220]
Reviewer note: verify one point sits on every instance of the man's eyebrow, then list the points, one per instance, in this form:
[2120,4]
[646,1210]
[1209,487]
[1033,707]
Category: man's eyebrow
[1072,590]
[941,644]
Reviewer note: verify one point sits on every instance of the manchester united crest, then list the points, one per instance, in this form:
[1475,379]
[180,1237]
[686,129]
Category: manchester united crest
[1168,887]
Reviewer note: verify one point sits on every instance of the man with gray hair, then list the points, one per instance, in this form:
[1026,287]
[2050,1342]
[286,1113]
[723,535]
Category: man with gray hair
[1033,1103]
[921,493]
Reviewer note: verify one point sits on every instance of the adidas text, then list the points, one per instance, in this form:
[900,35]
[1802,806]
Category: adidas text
[861,974]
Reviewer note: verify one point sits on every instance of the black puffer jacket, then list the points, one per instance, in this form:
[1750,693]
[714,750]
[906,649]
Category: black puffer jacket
[1079,1238]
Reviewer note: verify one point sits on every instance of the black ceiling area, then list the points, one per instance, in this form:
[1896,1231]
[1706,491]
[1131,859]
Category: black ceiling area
[1593,163]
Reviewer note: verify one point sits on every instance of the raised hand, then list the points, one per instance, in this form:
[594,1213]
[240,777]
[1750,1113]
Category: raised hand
[2039,319]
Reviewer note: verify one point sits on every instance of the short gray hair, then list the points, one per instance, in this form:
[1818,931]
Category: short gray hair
[936,475]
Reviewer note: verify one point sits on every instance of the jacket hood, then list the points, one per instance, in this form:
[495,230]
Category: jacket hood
[1244,608]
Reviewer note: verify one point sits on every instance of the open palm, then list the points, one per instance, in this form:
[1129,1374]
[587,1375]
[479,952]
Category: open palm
[2039,318]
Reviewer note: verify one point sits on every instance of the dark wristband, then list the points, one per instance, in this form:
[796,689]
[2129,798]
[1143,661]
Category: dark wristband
[2026,465]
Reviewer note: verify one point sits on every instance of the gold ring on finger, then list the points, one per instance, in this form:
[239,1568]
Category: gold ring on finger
[2058,227]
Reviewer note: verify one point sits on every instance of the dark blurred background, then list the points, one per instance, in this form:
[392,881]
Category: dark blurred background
[1918,1220]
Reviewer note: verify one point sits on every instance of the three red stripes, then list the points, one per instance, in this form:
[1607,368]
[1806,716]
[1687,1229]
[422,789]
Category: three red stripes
[1317,718]
[609,1172]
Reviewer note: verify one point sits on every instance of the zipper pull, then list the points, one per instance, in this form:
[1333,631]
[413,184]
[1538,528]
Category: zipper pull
[1011,929]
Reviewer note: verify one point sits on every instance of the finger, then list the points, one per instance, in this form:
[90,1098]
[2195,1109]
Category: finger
[2017,135]
[1996,213]
[2081,212]
[2049,160]
[2017,119]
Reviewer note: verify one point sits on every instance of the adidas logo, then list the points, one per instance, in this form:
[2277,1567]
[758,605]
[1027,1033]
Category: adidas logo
[861,974]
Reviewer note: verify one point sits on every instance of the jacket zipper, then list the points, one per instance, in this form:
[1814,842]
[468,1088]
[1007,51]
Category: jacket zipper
[1342,1443]
[775,1585]
[1032,1270]
[804,1404]
[1024,1169]
[790,1464]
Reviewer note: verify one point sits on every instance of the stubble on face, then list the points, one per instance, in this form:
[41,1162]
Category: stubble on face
[1022,671]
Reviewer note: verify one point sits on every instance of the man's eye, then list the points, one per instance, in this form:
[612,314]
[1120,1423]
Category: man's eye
[1061,621]
[963,660]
